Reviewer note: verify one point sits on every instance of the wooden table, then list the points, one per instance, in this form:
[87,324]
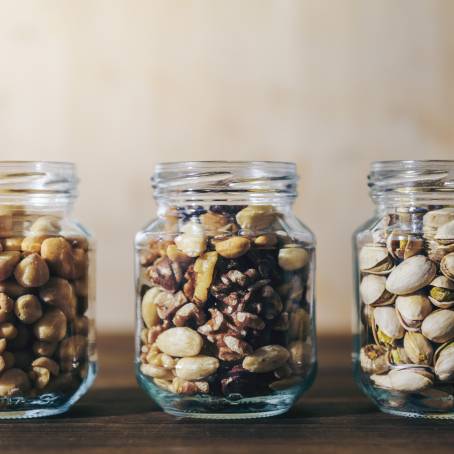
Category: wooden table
[117,417]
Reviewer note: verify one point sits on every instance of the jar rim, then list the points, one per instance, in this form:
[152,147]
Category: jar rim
[395,164]
[224,181]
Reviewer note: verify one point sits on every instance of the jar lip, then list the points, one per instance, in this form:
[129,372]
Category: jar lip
[396,164]
[62,164]
[224,181]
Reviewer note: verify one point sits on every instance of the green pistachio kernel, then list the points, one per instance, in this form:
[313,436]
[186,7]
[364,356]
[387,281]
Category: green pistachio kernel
[442,294]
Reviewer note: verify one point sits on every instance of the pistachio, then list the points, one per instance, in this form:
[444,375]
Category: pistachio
[444,362]
[180,342]
[196,367]
[373,291]
[8,261]
[398,356]
[434,219]
[389,327]
[32,271]
[403,245]
[375,259]
[51,327]
[28,309]
[233,247]
[192,241]
[412,310]
[204,269]
[447,266]
[411,275]
[60,293]
[418,348]
[293,258]
[266,359]
[408,379]
[442,292]
[439,326]
[256,217]
[373,359]
[445,233]
[13,382]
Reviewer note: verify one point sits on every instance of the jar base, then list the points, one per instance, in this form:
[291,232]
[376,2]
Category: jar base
[410,414]
[49,404]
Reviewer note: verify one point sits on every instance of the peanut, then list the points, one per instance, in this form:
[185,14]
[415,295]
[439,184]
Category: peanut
[13,382]
[60,293]
[180,342]
[266,359]
[234,247]
[32,271]
[8,261]
[28,309]
[51,327]
[293,258]
[196,367]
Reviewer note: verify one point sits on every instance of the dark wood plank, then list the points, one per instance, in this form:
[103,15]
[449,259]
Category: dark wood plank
[117,417]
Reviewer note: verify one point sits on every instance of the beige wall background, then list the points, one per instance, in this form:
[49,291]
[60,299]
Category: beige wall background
[118,85]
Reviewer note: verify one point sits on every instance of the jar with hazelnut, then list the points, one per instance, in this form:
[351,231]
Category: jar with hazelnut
[225,291]
[47,345]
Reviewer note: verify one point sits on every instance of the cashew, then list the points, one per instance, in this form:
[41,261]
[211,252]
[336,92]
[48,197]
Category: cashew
[156,372]
[28,309]
[8,261]
[60,293]
[51,327]
[13,382]
[196,367]
[149,307]
[6,307]
[32,271]
[180,342]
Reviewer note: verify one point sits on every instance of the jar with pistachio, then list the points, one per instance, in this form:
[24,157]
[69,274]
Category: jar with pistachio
[225,291]
[47,348]
[404,267]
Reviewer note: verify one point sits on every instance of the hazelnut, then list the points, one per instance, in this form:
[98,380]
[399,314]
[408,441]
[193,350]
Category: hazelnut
[59,256]
[32,271]
[14,382]
[72,350]
[41,348]
[32,244]
[8,331]
[51,327]
[60,293]
[6,307]
[28,309]
[48,225]
[8,261]
[12,288]
[12,244]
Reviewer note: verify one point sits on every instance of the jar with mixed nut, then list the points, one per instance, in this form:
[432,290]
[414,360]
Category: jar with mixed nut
[47,349]
[225,291]
[404,358]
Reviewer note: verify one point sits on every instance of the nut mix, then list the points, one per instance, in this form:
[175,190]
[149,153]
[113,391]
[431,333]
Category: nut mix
[407,295]
[43,300]
[223,308]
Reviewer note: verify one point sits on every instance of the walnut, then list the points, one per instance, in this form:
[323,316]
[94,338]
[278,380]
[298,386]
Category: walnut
[167,274]
[248,320]
[169,303]
[188,313]
[237,345]
[215,324]
[272,304]
[181,386]
[189,285]
[282,322]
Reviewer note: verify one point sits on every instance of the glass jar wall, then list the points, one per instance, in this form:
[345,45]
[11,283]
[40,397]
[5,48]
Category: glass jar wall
[404,357]
[47,347]
[225,291]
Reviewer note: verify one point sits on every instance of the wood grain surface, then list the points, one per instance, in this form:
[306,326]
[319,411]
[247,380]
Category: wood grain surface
[117,417]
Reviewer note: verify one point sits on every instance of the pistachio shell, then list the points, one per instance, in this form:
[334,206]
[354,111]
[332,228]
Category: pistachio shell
[434,219]
[408,379]
[373,290]
[444,362]
[374,259]
[402,245]
[445,233]
[411,275]
[442,287]
[373,359]
[418,348]
[447,265]
[439,326]
[388,323]
[412,310]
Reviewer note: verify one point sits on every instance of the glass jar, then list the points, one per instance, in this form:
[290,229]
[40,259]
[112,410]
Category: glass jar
[47,291]
[225,291]
[404,356]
